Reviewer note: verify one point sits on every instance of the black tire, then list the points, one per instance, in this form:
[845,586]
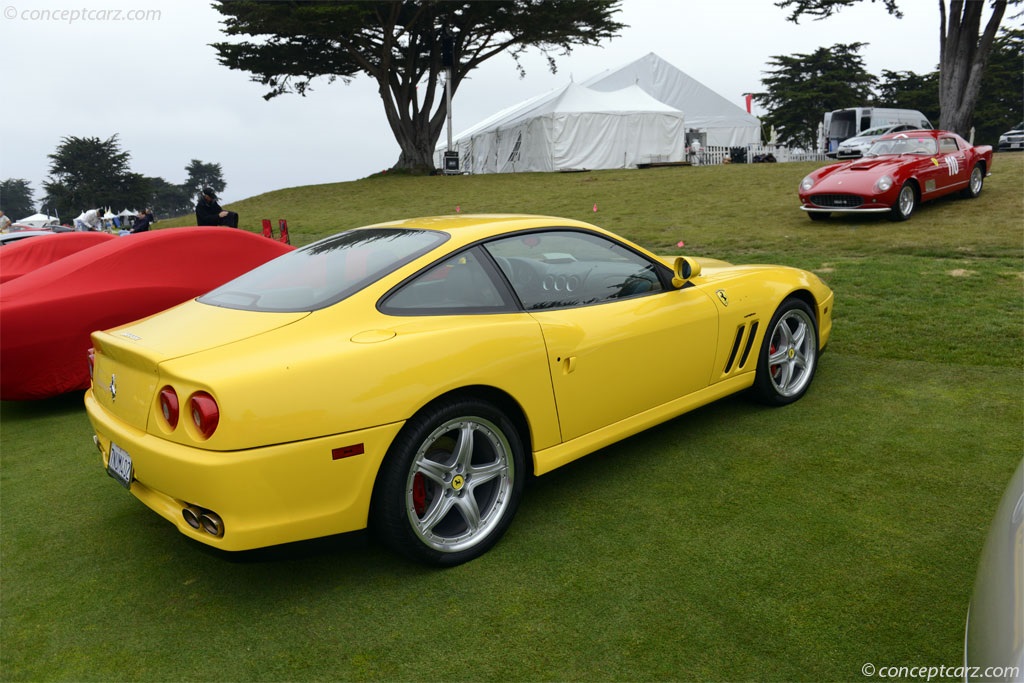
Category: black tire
[975,184]
[818,215]
[906,202]
[450,484]
[788,356]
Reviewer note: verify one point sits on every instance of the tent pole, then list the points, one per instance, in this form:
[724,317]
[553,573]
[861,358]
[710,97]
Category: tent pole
[448,103]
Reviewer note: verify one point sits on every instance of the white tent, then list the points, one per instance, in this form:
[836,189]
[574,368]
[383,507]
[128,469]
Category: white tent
[725,123]
[573,128]
[39,220]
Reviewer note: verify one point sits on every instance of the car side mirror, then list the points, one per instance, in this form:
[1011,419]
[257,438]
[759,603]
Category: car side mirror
[684,270]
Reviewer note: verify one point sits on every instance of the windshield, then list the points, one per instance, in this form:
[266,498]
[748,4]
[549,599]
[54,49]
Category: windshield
[325,272]
[872,132]
[902,145]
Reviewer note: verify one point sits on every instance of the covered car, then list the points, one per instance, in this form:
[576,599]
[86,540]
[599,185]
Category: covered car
[409,376]
[899,172]
[34,254]
[49,313]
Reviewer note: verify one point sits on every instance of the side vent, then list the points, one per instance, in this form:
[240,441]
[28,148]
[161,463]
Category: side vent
[735,349]
[742,332]
[750,344]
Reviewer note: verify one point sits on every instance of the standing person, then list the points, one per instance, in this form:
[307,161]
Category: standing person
[5,222]
[142,222]
[209,212]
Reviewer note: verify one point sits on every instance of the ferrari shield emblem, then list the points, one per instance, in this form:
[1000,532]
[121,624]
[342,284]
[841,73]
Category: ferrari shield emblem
[722,297]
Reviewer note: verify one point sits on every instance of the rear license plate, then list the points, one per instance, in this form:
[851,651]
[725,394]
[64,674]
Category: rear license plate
[119,465]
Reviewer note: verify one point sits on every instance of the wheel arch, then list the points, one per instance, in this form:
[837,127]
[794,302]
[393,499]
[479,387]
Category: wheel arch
[913,182]
[807,296]
[488,394]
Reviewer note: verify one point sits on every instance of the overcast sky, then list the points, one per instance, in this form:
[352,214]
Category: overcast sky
[145,72]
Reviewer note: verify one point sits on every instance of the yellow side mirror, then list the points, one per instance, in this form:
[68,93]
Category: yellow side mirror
[684,270]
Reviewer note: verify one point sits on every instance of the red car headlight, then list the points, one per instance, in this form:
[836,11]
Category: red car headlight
[205,413]
[883,184]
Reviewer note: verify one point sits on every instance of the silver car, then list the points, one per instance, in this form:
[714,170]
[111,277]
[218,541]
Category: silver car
[994,636]
[855,147]
[1012,139]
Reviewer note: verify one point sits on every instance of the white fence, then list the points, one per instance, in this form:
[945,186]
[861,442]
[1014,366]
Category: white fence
[750,154]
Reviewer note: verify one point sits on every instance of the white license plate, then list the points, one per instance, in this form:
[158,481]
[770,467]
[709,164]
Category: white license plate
[119,465]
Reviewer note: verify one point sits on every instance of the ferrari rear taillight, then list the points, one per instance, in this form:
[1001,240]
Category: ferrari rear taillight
[92,362]
[169,406]
[205,413]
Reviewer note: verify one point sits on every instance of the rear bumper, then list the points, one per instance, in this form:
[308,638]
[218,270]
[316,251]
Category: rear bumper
[265,496]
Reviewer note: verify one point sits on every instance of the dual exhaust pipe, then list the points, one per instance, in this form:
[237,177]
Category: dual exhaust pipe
[203,520]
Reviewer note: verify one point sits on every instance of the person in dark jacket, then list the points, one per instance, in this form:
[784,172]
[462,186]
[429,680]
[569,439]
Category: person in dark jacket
[208,211]
[143,221]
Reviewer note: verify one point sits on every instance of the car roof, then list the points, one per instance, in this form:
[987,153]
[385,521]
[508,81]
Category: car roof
[920,133]
[466,228]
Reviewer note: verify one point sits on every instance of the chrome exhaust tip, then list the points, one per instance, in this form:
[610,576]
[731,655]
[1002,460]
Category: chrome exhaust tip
[192,516]
[212,523]
[96,442]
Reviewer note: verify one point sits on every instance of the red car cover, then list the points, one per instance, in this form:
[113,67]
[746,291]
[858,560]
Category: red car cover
[46,316]
[27,255]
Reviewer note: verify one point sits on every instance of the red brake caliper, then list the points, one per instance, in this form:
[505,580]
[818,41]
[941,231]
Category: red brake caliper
[773,370]
[419,494]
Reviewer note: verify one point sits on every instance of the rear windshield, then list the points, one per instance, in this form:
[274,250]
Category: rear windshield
[325,272]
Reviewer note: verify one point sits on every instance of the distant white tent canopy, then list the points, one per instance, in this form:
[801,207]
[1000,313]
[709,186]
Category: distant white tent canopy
[573,128]
[726,124]
[38,220]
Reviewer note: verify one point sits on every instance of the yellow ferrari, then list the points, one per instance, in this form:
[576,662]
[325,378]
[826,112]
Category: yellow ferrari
[409,376]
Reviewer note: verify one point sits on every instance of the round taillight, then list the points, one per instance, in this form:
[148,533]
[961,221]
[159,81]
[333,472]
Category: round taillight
[205,413]
[169,406]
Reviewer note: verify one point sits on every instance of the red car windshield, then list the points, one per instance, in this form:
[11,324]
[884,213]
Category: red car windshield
[904,145]
[325,272]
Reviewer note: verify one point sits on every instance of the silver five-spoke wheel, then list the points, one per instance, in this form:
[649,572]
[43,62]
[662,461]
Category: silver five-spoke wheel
[789,354]
[459,484]
[450,483]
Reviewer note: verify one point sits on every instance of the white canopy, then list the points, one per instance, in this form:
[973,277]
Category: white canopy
[725,123]
[573,128]
[38,220]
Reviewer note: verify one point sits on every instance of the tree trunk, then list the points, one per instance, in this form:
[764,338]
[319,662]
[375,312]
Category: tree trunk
[963,55]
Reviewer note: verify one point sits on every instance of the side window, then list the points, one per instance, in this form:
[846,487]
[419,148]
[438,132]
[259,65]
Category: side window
[456,286]
[947,145]
[565,268]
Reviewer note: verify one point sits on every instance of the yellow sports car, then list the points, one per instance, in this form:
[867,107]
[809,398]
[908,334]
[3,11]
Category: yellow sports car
[408,376]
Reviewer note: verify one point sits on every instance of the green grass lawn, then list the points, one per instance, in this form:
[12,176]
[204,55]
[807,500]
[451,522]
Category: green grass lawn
[734,543]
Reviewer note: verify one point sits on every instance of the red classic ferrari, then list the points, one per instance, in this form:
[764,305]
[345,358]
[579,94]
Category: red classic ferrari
[899,171]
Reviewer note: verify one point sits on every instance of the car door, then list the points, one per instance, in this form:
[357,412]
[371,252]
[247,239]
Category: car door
[954,160]
[619,341]
[944,169]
